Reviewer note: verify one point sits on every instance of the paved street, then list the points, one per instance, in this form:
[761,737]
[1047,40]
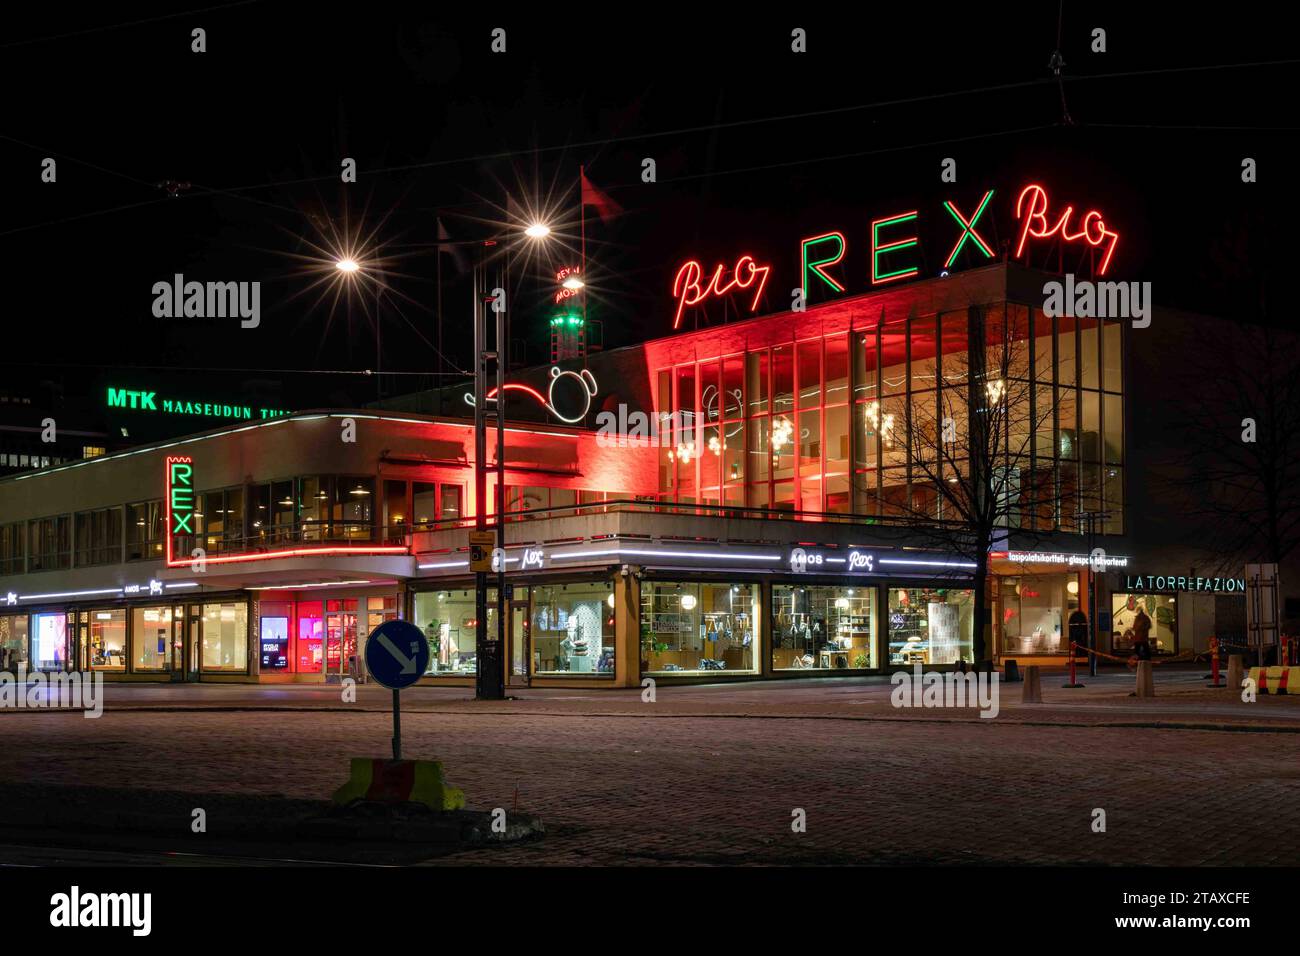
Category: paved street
[692,779]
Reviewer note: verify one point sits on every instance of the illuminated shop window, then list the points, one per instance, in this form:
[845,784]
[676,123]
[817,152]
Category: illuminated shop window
[225,637]
[930,625]
[449,625]
[1035,613]
[698,628]
[106,640]
[151,638]
[572,629]
[826,628]
[1160,612]
[13,641]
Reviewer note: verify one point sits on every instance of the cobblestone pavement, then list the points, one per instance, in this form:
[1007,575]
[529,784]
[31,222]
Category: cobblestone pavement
[634,788]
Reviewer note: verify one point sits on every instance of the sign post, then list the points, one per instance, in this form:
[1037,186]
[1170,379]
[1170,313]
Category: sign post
[1261,608]
[397,654]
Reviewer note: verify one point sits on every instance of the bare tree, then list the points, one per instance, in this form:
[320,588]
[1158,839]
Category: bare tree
[969,445]
[1235,467]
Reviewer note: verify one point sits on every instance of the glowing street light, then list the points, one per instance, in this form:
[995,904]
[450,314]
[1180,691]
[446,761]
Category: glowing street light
[573,282]
[538,230]
[347,265]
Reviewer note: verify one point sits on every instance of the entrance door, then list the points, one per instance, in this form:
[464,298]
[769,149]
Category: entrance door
[189,643]
[518,636]
[378,610]
[340,639]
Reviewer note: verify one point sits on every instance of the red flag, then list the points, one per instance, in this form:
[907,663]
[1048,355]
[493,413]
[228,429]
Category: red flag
[606,208]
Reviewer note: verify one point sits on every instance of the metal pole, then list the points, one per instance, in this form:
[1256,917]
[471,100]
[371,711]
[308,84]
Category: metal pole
[503,354]
[480,470]
[1092,597]
[397,725]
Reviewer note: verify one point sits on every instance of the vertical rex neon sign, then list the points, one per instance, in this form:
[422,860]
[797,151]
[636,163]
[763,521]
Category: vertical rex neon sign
[878,250]
[180,499]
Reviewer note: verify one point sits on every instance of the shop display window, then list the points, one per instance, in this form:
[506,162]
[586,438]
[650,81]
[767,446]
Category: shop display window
[448,622]
[698,628]
[573,629]
[1162,609]
[13,641]
[310,653]
[107,640]
[151,638]
[49,641]
[930,625]
[827,628]
[225,637]
[1035,613]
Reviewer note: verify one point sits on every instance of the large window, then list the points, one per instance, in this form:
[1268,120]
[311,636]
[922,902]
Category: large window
[106,649]
[823,627]
[930,625]
[99,536]
[1036,612]
[573,628]
[12,551]
[13,641]
[225,637]
[49,543]
[1160,609]
[695,628]
[448,622]
[151,638]
[144,531]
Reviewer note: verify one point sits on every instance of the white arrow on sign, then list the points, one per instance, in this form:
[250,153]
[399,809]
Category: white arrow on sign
[408,663]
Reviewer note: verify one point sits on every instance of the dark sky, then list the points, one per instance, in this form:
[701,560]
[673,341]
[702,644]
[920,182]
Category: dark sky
[755,148]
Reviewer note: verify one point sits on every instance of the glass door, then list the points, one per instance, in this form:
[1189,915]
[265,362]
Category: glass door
[378,610]
[518,636]
[189,645]
[340,638]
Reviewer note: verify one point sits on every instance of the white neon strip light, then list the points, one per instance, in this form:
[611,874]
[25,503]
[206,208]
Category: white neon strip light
[183,584]
[58,594]
[317,584]
[446,564]
[836,560]
[930,564]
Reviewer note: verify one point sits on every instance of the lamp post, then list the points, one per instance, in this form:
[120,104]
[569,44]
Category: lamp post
[489,682]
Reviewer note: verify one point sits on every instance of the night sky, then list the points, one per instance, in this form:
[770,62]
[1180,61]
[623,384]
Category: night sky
[755,148]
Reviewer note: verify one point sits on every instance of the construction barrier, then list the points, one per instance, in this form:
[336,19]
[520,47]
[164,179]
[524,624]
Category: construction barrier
[399,781]
[1275,680]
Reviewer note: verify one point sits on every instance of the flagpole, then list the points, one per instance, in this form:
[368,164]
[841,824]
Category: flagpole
[441,369]
[582,205]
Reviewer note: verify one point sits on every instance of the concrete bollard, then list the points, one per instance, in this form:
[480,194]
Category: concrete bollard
[1033,690]
[1010,672]
[1236,671]
[1146,685]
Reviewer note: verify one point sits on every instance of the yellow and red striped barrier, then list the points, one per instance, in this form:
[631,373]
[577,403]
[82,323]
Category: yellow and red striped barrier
[1276,679]
[399,781]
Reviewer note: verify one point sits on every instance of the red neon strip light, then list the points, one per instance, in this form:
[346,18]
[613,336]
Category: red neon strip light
[689,292]
[514,386]
[1036,225]
[818,267]
[969,229]
[297,553]
[878,250]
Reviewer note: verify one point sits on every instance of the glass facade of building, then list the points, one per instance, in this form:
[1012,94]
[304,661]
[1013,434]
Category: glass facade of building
[830,628]
[876,421]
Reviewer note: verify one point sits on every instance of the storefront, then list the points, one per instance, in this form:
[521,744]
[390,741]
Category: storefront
[824,627]
[1033,613]
[1185,611]
[690,627]
[302,636]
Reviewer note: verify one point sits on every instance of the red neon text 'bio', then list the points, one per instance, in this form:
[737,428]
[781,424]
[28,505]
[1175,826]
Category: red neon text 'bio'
[689,291]
[1093,228]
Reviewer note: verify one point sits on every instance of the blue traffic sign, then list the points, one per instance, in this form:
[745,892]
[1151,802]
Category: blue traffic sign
[397,654]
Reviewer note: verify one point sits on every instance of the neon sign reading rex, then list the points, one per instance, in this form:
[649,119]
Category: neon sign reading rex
[893,254]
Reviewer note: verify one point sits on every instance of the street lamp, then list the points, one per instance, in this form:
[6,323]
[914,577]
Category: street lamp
[347,265]
[489,681]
